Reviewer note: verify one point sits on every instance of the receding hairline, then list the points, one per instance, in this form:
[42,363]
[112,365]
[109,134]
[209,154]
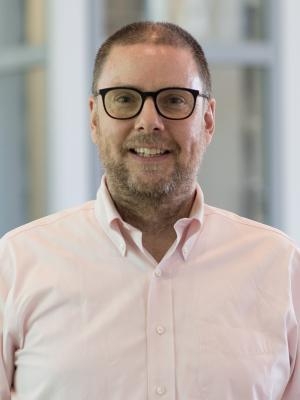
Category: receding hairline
[149,43]
[153,33]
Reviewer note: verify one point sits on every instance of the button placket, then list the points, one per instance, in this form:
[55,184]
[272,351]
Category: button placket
[161,358]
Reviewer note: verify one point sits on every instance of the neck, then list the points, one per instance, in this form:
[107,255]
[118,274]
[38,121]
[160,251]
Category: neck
[153,214]
[154,217]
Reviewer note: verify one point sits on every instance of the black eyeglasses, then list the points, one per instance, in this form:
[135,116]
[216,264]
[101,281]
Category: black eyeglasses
[170,102]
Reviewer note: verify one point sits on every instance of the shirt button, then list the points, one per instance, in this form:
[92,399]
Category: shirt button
[158,273]
[160,390]
[160,330]
[122,246]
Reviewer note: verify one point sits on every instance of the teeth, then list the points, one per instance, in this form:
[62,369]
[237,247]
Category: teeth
[146,152]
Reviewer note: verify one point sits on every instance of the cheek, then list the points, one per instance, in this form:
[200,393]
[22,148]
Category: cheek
[110,140]
[193,149]
[191,141]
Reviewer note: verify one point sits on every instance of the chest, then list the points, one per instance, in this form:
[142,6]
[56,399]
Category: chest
[128,332]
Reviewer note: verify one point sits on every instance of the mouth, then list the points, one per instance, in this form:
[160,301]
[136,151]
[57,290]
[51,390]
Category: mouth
[148,152]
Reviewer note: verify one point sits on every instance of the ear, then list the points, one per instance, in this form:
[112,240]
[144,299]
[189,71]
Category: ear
[94,118]
[209,119]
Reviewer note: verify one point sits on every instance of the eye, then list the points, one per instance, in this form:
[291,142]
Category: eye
[172,99]
[125,98]
[175,99]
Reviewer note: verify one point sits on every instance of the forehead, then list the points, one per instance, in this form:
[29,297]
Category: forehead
[149,66]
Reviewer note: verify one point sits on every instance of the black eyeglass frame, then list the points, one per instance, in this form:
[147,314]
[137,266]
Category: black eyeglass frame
[145,95]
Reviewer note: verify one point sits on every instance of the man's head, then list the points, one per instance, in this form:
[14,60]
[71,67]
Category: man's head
[151,140]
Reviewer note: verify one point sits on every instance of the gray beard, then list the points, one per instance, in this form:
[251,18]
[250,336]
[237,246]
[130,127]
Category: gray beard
[182,180]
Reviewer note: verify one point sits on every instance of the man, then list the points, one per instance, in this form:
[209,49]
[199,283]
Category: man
[147,292]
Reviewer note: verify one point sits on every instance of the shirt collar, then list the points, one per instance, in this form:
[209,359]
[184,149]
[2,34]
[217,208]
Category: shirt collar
[112,223]
[109,217]
[188,228]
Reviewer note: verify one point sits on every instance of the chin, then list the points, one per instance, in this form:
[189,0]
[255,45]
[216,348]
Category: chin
[150,184]
[154,188]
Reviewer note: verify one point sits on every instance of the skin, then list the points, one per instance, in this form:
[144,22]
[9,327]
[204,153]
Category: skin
[153,192]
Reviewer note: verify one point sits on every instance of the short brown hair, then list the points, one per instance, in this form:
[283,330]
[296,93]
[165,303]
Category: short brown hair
[160,33]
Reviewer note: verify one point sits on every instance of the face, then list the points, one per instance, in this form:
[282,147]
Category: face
[149,155]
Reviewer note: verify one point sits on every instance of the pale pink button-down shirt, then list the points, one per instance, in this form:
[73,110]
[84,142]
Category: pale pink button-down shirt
[87,314]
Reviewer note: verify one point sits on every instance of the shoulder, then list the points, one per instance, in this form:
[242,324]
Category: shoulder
[48,240]
[54,222]
[235,226]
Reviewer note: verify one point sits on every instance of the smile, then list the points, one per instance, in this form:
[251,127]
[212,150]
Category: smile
[146,152]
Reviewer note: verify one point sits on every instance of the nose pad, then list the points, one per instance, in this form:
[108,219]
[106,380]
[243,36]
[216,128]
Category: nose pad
[149,119]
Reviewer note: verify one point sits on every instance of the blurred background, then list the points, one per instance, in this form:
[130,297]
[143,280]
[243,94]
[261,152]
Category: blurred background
[47,49]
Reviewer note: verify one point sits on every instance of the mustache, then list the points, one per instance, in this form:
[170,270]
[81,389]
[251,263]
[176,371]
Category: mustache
[150,139]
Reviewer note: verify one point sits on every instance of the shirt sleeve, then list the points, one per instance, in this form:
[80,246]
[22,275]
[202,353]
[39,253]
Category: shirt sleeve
[292,391]
[6,344]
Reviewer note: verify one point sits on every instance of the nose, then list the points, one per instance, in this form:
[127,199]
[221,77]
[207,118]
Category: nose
[148,120]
